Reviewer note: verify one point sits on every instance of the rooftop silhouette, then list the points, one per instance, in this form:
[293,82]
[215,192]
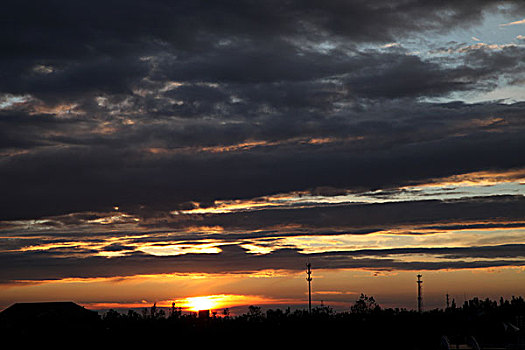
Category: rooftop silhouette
[47,317]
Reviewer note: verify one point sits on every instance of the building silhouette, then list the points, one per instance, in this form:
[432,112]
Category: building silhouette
[48,318]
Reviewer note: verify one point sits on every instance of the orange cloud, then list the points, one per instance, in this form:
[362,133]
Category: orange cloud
[479,178]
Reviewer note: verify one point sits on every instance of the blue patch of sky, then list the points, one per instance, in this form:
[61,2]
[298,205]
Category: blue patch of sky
[494,29]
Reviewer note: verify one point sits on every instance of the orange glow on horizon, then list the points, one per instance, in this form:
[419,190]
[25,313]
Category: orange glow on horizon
[221,301]
[195,304]
[335,287]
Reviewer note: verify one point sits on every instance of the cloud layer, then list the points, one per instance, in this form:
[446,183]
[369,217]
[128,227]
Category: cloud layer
[225,134]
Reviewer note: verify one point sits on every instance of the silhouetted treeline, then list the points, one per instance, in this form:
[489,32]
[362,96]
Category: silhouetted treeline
[365,325]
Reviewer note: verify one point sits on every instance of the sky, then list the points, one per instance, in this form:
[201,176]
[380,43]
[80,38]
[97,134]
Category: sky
[162,151]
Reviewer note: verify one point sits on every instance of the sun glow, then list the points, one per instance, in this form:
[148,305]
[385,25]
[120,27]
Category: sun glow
[220,301]
[202,303]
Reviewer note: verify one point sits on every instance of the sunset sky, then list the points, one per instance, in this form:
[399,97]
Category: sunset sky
[162,151]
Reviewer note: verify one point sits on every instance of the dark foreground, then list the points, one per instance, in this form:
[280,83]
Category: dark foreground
[488,323]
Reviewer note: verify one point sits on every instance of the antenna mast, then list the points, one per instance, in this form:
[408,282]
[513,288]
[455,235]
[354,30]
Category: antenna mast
[419,296]
[309,279]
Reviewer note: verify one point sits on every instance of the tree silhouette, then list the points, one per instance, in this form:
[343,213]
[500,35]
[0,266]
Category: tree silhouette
[365,305]
[175,312]
[153,311]
[478,321]
[254,313]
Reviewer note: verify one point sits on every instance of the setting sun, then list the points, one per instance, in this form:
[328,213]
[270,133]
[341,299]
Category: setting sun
[220,301]
[201,303]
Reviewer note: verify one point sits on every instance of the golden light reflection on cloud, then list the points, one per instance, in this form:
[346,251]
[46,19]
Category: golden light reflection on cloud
[48,246]
[180,249]
[237,147]
[204,229]
[13,153]
[105,128]
[92,243]
[441,258]
[257,249]
[479,178]
[391,239]
[322,140]
[112,247]
[107,254]
[166,244]
[223,207]
[119,218]
[58,110]
[462,186]
[456,186]
[251,144]
[522,21]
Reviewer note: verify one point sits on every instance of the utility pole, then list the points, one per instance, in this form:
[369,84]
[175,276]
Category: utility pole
[309,279]
[419,296]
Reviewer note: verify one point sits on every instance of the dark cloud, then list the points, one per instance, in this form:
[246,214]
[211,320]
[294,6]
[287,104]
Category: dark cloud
[117,248]
[74,179]
[58,51]
[453,214]
[153,106]
[233,259]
